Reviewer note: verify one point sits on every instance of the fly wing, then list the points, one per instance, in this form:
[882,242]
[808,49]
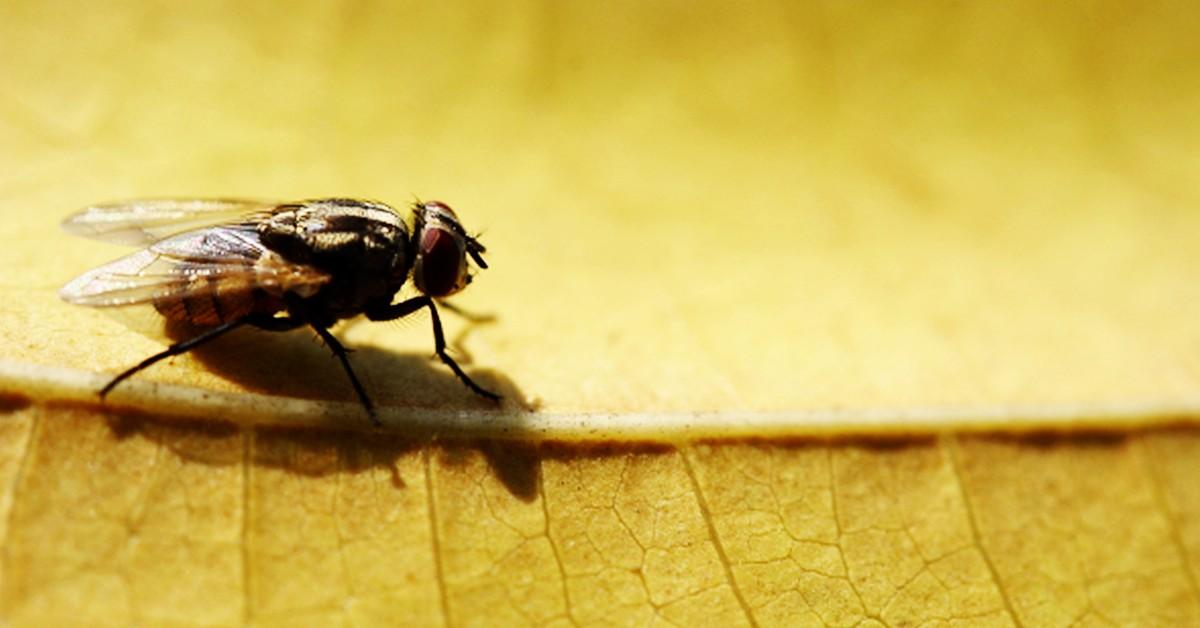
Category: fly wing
[228,259]
[143,222]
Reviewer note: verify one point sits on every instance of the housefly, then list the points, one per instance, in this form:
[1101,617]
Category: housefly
[223,264]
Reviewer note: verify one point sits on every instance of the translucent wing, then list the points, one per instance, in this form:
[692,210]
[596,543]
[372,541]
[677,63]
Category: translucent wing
[227,262]
[143,222]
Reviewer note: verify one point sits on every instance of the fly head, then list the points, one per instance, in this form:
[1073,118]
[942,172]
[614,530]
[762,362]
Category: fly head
[441,248]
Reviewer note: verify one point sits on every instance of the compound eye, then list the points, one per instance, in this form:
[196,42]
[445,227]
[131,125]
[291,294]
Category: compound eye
[441,266]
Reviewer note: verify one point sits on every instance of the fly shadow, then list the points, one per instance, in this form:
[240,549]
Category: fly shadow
[514,464]
[296,364]
[324,453]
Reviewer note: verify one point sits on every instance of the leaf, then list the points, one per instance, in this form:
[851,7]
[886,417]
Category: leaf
[161,523]
[806,315]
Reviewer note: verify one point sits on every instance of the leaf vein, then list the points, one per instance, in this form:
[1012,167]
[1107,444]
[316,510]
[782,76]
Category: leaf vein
[949,445]
[1160,498]
[562,571]
[434,535]
[247,463]
[706,514]
[18,480]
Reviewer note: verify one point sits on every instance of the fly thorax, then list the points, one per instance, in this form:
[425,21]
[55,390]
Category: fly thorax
[360,244]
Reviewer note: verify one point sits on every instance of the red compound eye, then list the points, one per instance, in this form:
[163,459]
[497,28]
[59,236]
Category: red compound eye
[441,263]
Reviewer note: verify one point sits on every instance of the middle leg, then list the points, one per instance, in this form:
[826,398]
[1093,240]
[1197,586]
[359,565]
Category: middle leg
[343,355]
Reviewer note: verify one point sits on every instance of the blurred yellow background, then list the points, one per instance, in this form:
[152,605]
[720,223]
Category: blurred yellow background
[758,212]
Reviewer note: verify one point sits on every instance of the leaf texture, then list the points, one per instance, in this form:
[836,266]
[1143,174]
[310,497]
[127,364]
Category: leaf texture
[131,521]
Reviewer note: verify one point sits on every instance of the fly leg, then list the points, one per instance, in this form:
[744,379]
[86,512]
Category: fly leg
[175,349]
[473,319]
[404,308]
[343,355]
[286,323]
[300,315]
[269,323]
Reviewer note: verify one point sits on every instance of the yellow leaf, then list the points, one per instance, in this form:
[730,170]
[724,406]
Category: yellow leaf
[806,315]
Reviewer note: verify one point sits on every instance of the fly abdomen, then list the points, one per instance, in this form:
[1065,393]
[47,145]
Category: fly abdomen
[206,303]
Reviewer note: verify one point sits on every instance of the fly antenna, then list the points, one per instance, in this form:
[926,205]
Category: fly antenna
[475,249]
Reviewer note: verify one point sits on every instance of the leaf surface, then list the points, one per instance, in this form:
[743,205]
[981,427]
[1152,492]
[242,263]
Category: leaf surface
[806,315]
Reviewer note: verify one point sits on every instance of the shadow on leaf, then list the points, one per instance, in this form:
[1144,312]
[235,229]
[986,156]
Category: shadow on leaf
[296,364]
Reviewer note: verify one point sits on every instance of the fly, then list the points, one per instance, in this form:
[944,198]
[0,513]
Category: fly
[224,264]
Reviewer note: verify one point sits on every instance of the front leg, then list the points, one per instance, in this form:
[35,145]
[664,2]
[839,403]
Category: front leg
[404,308]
